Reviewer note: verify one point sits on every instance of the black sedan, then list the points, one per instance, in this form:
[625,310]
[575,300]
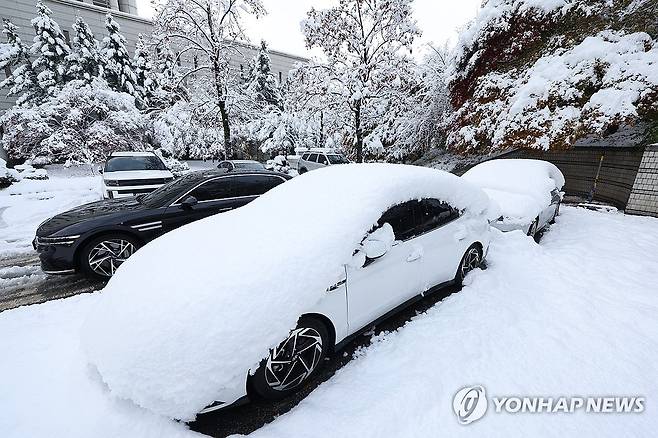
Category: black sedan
[96,238]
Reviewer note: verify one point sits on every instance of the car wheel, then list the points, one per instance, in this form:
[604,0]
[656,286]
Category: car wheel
[293,362]
[557,212]
[534,227]
[472,259]
[103,255]
[302,170]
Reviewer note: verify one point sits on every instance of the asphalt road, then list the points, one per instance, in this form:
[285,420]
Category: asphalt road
[22,283]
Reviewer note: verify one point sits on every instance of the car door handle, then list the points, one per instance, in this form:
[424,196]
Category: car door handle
[416,254]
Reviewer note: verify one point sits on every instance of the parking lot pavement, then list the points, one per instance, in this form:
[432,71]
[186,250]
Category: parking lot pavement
[23,283]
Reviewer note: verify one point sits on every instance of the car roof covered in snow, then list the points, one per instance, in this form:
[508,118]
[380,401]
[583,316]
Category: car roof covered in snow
[521,188]
[132,154]
[192,311]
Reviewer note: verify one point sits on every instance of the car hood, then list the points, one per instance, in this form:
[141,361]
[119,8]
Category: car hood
[94,210]
[137,174]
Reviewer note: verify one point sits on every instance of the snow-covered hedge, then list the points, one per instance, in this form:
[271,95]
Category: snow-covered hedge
[7,176]
[82,123]
[171,340]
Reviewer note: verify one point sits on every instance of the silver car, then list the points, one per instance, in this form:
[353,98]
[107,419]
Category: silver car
[316,159]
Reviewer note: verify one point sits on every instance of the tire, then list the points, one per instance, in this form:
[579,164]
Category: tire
[556,214]
[534,227]
[302,170]
[285,370]
[102,255]
[472,259]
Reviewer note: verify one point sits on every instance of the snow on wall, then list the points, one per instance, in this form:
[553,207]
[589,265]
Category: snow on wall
[170,341]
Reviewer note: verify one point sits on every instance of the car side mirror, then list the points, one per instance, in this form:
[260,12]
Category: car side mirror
[376,244]
[100,169]
[189,202]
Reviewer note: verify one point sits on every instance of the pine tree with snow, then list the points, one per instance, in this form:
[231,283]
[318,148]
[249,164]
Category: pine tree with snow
[16,56]
[50,49]
[118,71]
[85,60]
[263,88]
[144,74]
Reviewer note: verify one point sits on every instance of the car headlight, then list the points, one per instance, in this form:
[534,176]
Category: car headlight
[64,240]
[111,183]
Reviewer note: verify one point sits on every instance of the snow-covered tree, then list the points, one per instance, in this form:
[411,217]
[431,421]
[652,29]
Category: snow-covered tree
[15,56]
[554,74]
[364,42]
[144,75]
[50,50]
[263,88]
[207,32]
[85,61]
[82,123]
[118,70]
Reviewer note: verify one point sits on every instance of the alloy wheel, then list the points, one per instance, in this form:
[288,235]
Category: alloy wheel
[471,261]
[106,257]
[294,359]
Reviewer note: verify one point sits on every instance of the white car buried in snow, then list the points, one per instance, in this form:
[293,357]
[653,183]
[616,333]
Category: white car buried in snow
[185,323]
[527,192]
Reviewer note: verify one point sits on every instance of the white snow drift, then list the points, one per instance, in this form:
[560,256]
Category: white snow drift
[192,311]
[520,189]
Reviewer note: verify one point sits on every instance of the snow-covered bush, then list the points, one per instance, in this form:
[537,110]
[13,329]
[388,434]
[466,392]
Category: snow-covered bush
[50,49]
[27,171]
[176,167]
[7,176]
[547,74]
[81,123]
[118,68]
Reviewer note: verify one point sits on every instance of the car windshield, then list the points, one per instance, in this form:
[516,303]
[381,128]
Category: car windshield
[337,159]
[167,193]
[253,165]
[117,164]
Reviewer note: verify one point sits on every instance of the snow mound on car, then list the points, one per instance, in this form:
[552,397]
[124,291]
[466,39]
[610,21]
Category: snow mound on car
[194,310]
[520,188]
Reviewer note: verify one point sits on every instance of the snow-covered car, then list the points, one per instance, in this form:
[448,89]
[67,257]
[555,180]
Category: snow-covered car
[527,192]
[222,291]
[133,173]
[319,158]
[241,165]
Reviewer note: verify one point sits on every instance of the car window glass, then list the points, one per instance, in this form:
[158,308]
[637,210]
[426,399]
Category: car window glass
[401,218]
[167,193]
[305,157]
[117,164]
[212,190]
[225,165]
[255,185]
[433,214]
[313,158]
[337,159]
[322,159]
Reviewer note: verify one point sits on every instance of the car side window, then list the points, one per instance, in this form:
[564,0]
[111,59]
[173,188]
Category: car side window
[225,165]
[402,218]
[322,159]
[434,214]
[305,157]
[213,190]
[255,185]
[313,158]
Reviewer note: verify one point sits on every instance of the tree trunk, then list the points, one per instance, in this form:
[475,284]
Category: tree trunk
[359,133]
[227,130]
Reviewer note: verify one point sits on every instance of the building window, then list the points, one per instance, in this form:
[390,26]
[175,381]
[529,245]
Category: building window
[7,71]
[196,62]
[67,37]
[280,77]
[102,3]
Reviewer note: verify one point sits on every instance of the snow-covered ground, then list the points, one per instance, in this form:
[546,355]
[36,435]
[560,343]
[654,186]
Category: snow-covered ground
[573,316]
